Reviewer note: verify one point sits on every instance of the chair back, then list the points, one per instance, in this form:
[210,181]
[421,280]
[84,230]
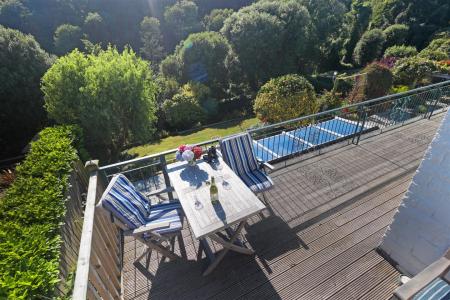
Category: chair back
[237,151]
[125,203]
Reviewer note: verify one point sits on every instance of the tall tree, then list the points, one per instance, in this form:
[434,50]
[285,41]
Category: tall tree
[151,39]
[21,103]
[67,37]
[271,39]
[110,95]
[369,47]
[95,28]
[215,19]
[182,19]
[203,58]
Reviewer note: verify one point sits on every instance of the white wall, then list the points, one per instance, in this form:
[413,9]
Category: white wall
[420,232]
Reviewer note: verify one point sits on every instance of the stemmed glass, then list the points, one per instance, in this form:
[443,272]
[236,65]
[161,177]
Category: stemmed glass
[197,204]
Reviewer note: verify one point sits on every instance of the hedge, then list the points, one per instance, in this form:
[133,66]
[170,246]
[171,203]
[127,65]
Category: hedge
[31,213]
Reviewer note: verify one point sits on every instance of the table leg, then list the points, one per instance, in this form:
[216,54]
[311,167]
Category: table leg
[227,246]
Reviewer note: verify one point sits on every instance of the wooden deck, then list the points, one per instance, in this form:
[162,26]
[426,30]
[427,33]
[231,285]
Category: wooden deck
[327,215]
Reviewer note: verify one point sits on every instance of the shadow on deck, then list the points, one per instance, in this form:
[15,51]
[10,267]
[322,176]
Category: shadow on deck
[327,215]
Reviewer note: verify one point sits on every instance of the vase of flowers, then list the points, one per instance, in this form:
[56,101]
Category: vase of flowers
[189,154]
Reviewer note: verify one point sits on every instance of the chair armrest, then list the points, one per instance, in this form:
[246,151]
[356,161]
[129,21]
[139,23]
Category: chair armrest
[150,227]
[159,191]
[264,164]
[421,280]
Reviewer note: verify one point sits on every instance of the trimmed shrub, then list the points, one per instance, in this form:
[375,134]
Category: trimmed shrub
[411,71]
[183,111]
[31,213]
[377,83]
[286,97]
[369,47]
[396,34]
[400,51]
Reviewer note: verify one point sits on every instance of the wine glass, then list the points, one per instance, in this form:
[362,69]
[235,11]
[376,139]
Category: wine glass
[197,204]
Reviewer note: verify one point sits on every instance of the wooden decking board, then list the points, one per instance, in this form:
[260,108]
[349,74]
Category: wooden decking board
[327,288]
[364,283]
[311,273]
[313,236]
[384,289]
[329,212]
[328,246]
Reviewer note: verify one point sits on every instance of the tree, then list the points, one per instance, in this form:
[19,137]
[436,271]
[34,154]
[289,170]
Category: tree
[95,28]
[183,111]
[182,19]
[284,98]
[438,49]
[328,17]
[215,19]
[400,51]
[67,37]
[396,34]
[171,67]
[111,96]
[151,39]
[203,58]
[369,47]
[271,39]
[21,102]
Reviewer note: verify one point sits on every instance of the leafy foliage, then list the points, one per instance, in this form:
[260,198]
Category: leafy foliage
[283,98]
[67,37]
[183,111]
[377,82]
[21,112]
[396,34]
[369,47]
[31,213]
[413,70]
[182,19]
[438,49]
[203,59]
[215,19]
[110,95]
[260,32]
[151,39]
[400,51]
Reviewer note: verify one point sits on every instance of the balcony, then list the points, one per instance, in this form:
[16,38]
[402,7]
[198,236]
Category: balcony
[326,214]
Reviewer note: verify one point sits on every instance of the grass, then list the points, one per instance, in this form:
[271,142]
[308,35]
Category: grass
[201,135]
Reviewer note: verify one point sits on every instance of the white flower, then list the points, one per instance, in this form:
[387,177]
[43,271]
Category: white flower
[188,155]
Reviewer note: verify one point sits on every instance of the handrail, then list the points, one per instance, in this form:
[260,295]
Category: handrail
[98,274]
[379,99]
[84,255]
[145,158]
[372,101]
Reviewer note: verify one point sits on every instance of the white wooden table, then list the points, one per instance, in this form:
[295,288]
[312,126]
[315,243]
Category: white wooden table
[236,204]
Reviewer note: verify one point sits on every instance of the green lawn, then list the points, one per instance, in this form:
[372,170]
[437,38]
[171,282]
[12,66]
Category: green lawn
[195,137]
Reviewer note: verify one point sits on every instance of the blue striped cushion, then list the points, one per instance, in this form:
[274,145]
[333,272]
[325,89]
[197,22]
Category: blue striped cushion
[127,204]
[257,181]
[166,212]
[238,153]
[438,289]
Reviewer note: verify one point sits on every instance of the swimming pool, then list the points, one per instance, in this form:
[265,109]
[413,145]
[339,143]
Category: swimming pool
[304,138]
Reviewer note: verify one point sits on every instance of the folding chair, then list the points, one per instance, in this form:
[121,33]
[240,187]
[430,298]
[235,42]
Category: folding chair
[151,224]
[237,152]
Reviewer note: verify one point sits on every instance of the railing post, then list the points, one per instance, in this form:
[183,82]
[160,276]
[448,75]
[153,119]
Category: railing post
[438,92]
[84,255]
[362,115]
[162,160]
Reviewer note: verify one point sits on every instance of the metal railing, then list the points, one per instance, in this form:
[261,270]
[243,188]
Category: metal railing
[97,272]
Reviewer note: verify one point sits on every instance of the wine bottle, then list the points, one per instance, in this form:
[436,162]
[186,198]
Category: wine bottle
[213,191]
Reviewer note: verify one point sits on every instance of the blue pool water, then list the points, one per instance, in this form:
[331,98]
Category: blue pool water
[301,139]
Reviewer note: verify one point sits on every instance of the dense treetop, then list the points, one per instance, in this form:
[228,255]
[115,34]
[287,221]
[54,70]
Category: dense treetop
[230,49]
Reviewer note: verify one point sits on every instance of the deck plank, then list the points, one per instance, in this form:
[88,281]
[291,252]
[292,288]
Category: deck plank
[327,215]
